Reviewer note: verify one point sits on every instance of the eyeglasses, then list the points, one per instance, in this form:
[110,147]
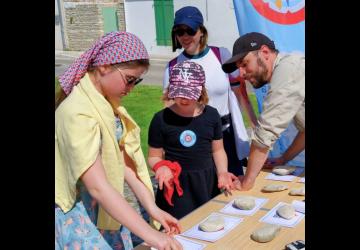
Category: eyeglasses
[182,31]
[129,79]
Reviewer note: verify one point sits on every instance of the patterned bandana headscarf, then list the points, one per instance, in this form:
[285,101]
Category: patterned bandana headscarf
[113,48]
[186,80]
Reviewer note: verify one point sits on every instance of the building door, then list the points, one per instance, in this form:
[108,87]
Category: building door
[164,18]
[110,19]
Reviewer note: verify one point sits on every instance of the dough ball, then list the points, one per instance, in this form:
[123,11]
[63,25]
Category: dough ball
[286,212]
[212,224]
[283,170]
[265,233]
[298,191]
[245,203]
[274,188]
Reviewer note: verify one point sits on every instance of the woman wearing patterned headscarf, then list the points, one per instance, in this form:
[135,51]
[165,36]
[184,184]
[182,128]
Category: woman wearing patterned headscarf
[97,148]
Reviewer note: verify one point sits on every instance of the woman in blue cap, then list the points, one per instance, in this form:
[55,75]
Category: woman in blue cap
[224,90]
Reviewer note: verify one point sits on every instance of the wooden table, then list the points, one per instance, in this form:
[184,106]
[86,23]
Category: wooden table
[239,237]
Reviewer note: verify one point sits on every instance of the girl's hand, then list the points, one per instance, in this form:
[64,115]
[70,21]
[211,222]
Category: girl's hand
[237,184]
[162,241]
[164,176]
[170,224]
[225,181]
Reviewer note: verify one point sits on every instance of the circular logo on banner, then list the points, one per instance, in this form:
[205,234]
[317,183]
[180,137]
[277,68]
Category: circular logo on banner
[187,138]
[281,11]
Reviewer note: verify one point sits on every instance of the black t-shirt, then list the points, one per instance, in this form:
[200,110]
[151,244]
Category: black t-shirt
[186,140]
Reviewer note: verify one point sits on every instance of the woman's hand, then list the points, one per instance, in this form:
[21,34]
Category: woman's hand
[164,176]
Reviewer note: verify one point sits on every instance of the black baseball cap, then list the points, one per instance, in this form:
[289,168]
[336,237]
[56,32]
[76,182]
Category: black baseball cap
[243,45]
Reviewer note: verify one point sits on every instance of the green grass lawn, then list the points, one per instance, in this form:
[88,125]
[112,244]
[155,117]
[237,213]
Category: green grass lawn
[57,86]
[144,101]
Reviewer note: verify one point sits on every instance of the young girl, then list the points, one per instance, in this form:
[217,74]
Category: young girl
[188,136]
[188,32]
[97,148]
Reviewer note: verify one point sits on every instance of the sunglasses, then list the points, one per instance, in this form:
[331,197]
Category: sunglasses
[182,31]
[129,79]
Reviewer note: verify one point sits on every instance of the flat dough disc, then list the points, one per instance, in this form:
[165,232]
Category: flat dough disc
[212,224]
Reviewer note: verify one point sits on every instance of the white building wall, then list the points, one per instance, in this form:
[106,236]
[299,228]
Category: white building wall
[58,37]
[140,20]
[219,19]
[221,23]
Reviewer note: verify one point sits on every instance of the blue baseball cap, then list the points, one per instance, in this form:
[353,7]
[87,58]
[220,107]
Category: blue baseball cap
[189,16]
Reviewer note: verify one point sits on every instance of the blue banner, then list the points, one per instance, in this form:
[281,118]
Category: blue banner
[283,21]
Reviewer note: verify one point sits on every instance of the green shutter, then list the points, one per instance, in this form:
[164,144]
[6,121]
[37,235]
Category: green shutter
[110,19]
[164,18]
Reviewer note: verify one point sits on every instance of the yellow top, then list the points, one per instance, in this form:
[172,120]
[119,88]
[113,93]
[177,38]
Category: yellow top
[85,127]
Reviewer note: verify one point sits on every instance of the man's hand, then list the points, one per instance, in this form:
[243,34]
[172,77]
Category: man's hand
[273,162]
[246,183]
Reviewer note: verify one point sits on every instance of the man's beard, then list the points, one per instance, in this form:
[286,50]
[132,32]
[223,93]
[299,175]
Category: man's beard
[260,76]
